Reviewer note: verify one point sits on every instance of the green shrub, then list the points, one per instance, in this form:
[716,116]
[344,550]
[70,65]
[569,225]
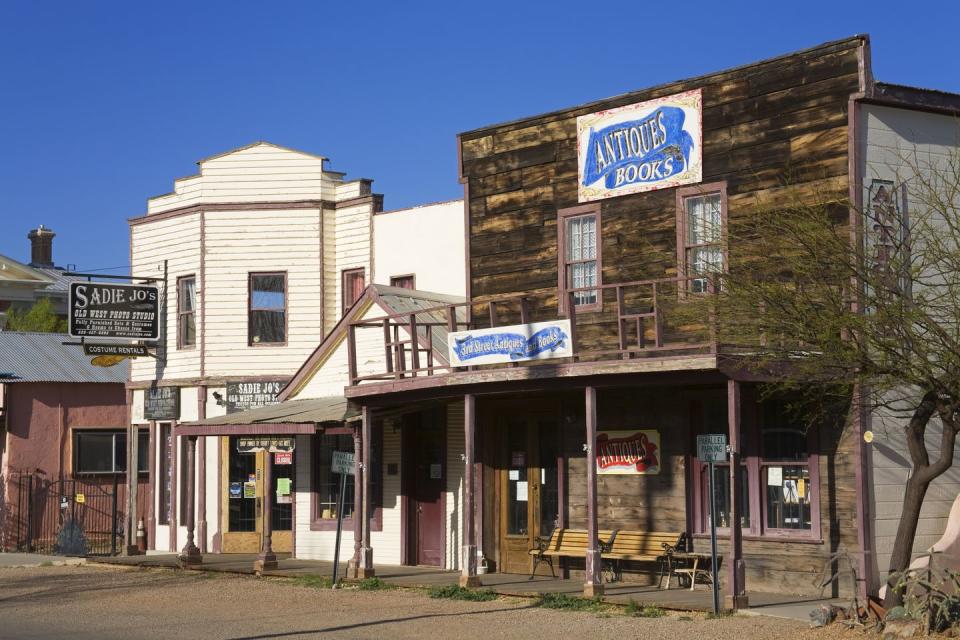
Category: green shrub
[373,584]
[569,603]
[456,592]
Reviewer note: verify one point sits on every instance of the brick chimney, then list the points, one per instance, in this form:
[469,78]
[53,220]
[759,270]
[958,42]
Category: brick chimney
[41,247]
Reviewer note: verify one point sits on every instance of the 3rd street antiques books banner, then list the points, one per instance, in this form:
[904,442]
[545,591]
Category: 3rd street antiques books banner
[513,343]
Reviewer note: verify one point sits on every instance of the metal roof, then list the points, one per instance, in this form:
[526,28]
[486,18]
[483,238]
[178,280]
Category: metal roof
[42,357]
[302,416]
[61,282]
[406,301]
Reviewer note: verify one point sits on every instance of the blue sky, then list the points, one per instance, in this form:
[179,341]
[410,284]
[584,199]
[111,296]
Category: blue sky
[103,104]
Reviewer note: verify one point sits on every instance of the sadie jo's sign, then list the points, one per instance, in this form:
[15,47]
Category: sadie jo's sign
[107,310]
[640,147]
[514,343]
[628,452]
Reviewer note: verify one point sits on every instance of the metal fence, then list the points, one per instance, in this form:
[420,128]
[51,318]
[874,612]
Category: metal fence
[65,517]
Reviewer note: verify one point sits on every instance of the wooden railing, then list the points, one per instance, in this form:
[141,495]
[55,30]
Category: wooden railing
[635,320]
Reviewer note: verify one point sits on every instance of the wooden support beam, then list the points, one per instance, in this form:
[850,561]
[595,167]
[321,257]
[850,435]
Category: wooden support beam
[736,577]
[468,575]
[354,566]
[267,559]
[366,552]
[190,554]
[593,584]
[201,473]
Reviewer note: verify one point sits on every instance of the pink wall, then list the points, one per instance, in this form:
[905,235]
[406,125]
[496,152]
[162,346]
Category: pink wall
[42,414]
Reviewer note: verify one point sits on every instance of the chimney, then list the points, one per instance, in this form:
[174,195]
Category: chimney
[41,247]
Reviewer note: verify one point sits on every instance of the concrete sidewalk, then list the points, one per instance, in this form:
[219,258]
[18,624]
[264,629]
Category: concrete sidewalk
[12,560]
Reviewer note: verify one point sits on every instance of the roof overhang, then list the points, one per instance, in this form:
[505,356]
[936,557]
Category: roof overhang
[291,417]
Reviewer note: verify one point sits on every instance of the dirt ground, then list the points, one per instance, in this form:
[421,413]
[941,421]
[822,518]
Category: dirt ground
[106,603]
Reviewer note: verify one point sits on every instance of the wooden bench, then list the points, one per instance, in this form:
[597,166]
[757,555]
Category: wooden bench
[616,547]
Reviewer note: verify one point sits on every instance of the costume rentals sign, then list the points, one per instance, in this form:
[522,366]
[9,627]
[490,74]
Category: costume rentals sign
[633,453]
[514,343]
[646,146]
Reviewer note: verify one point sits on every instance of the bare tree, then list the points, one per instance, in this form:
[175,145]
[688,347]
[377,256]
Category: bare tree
[857,304]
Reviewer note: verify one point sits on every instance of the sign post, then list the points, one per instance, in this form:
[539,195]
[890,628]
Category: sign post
[712,448]
[343,464]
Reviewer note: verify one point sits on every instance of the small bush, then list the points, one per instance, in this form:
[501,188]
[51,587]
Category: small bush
[373,584]
[456,592]
[569,603]
[313,581]
[637,610]
[46,563]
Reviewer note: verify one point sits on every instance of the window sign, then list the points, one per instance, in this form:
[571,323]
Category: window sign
[628,452]
[265,443]
[640,147]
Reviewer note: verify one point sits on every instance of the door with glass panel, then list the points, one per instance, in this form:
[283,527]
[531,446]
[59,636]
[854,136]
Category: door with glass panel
[528,482]
[242,502]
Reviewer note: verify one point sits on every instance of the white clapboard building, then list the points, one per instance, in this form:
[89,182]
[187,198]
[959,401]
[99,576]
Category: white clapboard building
[260,255]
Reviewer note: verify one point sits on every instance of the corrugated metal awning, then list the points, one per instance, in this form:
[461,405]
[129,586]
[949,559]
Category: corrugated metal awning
[285,418]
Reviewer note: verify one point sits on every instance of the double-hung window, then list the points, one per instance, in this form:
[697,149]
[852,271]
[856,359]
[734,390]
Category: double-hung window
[701,215]
[785,471]
[580,263]
[267,320]
[186,312]
[326,483]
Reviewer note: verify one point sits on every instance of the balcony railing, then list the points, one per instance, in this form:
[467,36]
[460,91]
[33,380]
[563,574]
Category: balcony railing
[639,319]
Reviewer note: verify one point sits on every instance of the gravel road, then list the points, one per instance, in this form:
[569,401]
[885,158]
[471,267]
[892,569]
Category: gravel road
[106,603]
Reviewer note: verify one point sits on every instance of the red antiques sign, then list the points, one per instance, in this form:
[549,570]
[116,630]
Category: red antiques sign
[628,452]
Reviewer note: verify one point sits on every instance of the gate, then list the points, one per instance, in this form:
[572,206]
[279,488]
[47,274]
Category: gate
[67,517]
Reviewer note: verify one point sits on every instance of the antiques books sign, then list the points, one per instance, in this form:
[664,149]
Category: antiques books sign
[107,310]
[251,395]
[640,147]
[634,453]
[514,343]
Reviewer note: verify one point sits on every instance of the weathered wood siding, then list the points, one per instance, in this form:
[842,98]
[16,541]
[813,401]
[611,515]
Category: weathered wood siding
[759,123]
[894,144]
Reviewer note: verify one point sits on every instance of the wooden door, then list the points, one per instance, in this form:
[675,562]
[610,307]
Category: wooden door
[242,523]
[424,452]
[528,489]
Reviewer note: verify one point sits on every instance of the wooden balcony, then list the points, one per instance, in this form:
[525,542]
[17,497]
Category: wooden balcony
[626,321]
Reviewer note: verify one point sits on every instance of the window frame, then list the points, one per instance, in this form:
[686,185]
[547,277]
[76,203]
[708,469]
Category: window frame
[683,194]
[406,276]
[563,217]
[754,478]
[330,524]
[286,308]
[344,274]
[142,434]
[181,343]
[166,444]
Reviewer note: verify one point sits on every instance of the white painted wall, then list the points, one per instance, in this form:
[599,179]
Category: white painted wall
[896,141]
[427,241]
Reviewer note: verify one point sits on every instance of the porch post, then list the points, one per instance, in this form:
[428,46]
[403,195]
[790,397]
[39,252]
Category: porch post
[468,575]
[594,583]
[267,559]
[202,472]
[366,553]
[736,569]
[133,481]
[354,565]
[190,554]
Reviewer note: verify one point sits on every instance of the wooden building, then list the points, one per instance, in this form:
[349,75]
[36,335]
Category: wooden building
[260,254]
[583,382]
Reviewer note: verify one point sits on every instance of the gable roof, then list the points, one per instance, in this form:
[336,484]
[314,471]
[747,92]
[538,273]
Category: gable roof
[392,300]
[259,143]
[14,270]
[42,357]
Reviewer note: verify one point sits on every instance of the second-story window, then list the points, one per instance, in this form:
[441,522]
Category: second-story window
[580,265]
[267,322]
[186,312]
[404,282]
[701,213]
[353,285]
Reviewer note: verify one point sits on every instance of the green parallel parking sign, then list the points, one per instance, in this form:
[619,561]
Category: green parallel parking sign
[712,447]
